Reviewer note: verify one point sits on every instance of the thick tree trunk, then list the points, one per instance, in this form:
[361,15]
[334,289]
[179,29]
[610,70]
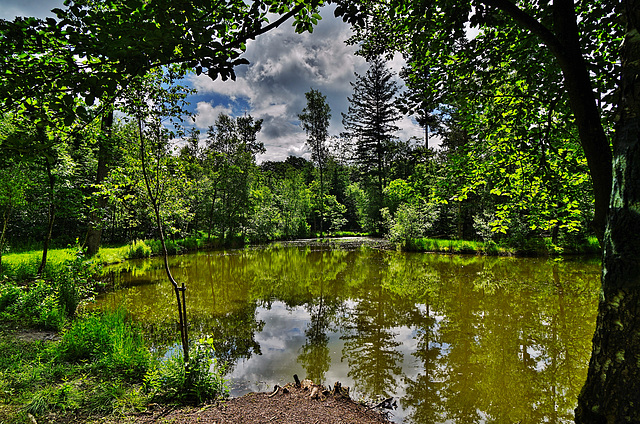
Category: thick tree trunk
[612,391]
[94,232]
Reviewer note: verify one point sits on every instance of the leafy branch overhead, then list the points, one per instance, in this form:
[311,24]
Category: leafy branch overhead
[93,48]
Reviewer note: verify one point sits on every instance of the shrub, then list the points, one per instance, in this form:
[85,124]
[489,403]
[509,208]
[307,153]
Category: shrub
[37,305]
[410,221]
[9,294]
[491,248]
[139,249]
[201,380]
[73,283]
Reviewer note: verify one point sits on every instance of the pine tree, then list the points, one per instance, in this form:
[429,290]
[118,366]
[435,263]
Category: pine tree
[370,126]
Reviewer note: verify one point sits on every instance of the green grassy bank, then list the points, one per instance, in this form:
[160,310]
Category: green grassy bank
[60,362]
[534,247]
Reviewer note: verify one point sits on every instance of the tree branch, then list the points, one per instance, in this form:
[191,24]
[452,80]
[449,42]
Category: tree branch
[528,22]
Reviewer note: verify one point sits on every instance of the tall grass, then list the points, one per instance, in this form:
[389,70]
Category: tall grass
[109,341]
[96,367]
[24,266]
[146,248]
[47,301]
[199,381]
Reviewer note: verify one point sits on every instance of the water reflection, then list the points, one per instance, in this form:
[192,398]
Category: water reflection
[456,339]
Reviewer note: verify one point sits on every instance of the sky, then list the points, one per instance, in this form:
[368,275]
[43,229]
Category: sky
[283,66]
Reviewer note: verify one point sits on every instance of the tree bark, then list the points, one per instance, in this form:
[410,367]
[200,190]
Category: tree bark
[94,232]
[612,391]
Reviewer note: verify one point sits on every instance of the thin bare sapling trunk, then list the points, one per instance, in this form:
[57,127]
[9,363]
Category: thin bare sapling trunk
[51,215]
[5,221]
[178,289]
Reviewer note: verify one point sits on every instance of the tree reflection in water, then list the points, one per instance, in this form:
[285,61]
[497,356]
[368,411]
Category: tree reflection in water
[457,339]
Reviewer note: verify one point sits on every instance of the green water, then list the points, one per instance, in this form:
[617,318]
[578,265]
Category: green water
[455,339]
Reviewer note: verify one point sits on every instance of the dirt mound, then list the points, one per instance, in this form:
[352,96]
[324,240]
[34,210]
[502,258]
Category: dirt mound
[290,404]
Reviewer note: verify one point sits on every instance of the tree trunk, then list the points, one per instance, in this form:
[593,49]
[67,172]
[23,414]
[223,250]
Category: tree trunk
[582,99]
[564,43]
[178,290]
[5,222]
[51,217]
[94,232]
[612,391]
[211,215]
[321,199]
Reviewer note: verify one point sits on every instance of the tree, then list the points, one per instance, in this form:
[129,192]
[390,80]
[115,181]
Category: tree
[232,145]
[612,391]
[14,181]
[578,40]
[370,124]
[121,39]
[105,155]
[94,50]
[148,105]
[315,121]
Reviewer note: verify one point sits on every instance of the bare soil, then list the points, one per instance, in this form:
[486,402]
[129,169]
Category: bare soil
[289,405]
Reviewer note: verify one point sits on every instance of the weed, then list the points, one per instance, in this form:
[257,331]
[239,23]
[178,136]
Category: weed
[39,403]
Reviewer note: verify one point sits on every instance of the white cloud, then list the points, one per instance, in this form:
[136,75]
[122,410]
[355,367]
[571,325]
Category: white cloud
[206,114]
[283,66]
[231,89]
[408,129]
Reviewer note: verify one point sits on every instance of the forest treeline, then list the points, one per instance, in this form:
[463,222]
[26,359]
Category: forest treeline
[501,188]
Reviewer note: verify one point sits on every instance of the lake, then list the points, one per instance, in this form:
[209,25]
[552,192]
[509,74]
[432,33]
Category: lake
[455,339]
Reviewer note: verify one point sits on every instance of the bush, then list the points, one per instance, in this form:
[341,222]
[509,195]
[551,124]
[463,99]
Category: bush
[200,381]
[47,303]
[409,222]
[138,249]
[9,295]
[37,305]
[193,243]
[491,248]
[73,283]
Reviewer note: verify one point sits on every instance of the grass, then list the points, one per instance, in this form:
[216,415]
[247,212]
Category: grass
[101,364]
[456,246]
[99,367]
[24,266]
[540,247]
[147,248]
[57,380]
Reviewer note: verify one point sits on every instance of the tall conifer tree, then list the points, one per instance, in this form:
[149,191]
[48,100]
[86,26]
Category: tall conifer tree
[370,126]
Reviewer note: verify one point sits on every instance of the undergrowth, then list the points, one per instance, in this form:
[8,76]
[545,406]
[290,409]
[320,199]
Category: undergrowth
[49,300]
[99,367]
